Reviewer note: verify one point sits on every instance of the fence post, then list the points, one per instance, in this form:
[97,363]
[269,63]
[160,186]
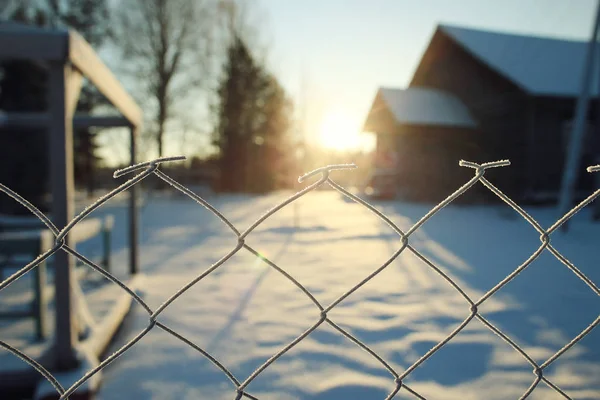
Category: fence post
[60,134]
[133,211]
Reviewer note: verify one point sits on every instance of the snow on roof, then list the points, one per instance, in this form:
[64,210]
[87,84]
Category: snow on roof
[540,65]
[424,106]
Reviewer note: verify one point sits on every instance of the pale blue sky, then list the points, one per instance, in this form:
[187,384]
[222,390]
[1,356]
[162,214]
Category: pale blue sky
[344,50]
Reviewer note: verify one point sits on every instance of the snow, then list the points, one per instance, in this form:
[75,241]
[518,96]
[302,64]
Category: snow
[540,65]
[425,106]
[87,361]
[245,311]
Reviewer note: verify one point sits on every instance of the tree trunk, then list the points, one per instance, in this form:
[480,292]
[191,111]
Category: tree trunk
[161,130]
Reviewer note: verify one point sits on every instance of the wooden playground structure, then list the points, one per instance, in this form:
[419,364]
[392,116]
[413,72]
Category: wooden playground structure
[69,59]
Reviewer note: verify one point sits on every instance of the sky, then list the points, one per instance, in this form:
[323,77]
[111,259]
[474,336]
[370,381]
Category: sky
[332,55]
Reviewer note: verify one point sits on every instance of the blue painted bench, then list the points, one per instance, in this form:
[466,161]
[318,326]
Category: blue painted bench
[22,239]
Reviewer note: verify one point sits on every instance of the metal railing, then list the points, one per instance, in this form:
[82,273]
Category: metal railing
[397,377]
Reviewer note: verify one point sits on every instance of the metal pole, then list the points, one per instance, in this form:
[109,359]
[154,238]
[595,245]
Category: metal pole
[596,144]
[61,176]
[569,180]
[133,210]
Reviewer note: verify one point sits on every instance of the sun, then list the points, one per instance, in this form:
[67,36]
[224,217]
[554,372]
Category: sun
[338,131]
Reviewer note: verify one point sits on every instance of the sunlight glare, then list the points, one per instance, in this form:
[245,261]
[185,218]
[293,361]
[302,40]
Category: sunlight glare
[339,132]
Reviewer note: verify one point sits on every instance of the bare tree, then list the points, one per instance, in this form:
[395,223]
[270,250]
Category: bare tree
[167,51]
[244,19]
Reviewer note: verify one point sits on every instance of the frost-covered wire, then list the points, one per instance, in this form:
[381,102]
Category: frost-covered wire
[398,383]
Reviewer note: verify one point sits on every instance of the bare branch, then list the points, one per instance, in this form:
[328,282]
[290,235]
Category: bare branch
[167,44]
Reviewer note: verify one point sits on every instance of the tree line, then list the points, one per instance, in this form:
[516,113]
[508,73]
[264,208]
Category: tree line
[192,67]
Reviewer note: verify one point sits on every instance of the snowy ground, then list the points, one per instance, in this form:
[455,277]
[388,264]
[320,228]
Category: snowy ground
[246,311]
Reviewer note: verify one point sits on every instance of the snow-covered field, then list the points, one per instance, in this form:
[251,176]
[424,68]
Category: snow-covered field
[245,311]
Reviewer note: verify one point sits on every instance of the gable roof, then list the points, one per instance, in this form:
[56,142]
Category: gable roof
[416,106]
[539,65]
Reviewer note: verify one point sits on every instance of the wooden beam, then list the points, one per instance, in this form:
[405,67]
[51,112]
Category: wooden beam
[41,120]
[83,57]
[23,242]
[105,331]
[40,303]
[24,120]
[73,89]
[63,192]
[108,121]
[25,238]
[22,42]
[15,314]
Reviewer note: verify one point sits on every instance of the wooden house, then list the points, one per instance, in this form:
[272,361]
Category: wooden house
[483,96]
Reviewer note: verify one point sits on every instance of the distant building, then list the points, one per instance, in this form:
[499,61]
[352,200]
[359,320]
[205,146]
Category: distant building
[484,96]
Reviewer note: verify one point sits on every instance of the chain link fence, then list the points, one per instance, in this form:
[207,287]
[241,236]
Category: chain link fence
[398,378]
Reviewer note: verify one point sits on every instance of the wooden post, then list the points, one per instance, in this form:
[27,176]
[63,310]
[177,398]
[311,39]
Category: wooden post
[107,227]
[133,211]
[40,309]
[41,300]
[61,176]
